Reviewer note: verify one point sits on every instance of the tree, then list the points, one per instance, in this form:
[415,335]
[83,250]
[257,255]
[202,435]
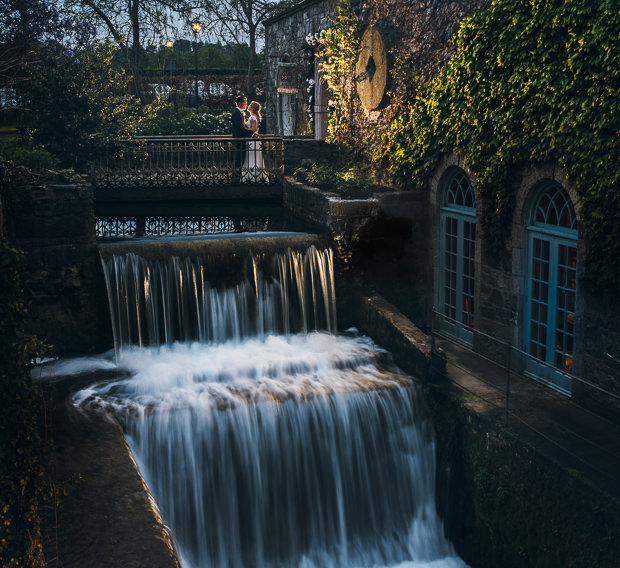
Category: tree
[77,105]
[27,24]
[240,22]
[127,22]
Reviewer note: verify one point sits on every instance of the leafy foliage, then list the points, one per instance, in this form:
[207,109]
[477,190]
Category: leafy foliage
[531,81]
[33,156]
[349,182]
[27,23]
[22,484]
[337,48]
[77,103]
[187,121]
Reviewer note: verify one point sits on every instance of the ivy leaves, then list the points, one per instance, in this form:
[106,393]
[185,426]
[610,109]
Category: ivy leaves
[531,81]
[338,53]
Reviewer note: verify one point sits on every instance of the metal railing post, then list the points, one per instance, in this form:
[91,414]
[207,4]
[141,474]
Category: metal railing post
[508,357]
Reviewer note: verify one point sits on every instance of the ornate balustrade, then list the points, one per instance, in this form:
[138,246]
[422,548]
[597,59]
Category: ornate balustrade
[122,227]
[189,161]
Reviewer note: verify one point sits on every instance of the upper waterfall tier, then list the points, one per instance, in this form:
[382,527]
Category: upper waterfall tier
[213,290]
[217,247]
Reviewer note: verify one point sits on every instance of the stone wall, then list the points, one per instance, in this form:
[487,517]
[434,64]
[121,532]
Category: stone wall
[54,226]
[505,504]
[285,42]
[381,243]
[422,30]
[600,352]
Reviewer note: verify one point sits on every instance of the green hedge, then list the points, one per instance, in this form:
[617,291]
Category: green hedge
[531,81]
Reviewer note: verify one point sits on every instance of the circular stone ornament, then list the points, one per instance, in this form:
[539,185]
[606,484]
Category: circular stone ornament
[371,71]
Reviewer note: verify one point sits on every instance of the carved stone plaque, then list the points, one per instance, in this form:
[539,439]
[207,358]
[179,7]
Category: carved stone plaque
[371,71]
[287,78]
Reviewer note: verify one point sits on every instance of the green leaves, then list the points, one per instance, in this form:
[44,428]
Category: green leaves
[531,80]
[338,52]
[77,104]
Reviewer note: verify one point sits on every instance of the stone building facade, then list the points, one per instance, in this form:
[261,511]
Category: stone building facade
[531,307]
[290,69]
[422,30]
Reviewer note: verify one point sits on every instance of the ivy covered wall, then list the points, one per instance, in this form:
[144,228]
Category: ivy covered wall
[530,81]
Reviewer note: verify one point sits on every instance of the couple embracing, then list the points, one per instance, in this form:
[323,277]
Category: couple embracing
[249,165]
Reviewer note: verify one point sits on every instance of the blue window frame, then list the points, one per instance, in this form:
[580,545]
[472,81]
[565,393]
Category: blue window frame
[551,289]
[458,258]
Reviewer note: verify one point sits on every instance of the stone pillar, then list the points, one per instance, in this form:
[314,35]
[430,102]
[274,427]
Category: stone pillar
[321,98]
[55,227]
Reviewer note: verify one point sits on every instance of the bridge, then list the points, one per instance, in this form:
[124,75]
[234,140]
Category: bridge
[189,167]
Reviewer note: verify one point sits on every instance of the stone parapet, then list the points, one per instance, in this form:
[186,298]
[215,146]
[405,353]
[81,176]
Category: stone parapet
[55,227]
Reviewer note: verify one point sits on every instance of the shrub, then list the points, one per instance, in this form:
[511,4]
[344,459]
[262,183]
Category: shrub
[348,182]
[33,156]
[170,121]
[77,104]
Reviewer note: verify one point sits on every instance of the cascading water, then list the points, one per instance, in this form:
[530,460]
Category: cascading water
[266,438]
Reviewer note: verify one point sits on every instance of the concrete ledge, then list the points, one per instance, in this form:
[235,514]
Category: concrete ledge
[324,207]
[106,518]
[412,348]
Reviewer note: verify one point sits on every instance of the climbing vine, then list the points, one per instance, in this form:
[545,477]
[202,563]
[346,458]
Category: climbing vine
[337,48]
[531,81]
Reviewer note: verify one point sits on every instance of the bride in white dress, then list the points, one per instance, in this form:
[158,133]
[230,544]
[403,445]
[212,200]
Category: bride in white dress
[253,169]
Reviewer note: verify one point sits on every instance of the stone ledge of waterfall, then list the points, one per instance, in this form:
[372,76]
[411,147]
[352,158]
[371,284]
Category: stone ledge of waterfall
[412,348]
[324,206]
[106,518]
[163,248]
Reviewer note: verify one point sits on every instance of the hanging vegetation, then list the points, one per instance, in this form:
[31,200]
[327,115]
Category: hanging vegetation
[23,487]
[531,81]
[337,51]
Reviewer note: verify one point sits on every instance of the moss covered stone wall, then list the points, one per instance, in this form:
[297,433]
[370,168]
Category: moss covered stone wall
[55,226]
[504,504]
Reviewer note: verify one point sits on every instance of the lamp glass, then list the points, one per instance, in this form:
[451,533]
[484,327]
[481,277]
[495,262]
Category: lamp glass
[196,27]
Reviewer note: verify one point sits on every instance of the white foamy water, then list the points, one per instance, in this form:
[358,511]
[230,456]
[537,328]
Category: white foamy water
[280,451]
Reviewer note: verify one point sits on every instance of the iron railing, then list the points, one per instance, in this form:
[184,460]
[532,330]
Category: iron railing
[509,359]
[123,227]
[190,161]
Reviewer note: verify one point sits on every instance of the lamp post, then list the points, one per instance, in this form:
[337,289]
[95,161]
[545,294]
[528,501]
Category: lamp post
[169,45]
[196,27]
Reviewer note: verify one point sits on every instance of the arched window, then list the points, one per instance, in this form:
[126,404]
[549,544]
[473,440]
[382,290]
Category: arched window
[457,257]
[551,288]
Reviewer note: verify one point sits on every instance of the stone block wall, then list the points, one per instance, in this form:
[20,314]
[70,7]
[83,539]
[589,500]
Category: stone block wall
[54,226]
[381,242]
[422,30]
[285,42]
[501,292]
[600,353]
[506,504]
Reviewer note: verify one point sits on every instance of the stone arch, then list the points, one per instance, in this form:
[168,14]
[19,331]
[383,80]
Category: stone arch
[536,180]
[449,172]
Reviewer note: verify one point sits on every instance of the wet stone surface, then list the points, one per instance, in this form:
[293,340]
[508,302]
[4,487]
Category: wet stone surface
[106,518]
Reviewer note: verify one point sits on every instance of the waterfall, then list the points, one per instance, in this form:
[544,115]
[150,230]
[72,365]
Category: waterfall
[162,301]
[266,438]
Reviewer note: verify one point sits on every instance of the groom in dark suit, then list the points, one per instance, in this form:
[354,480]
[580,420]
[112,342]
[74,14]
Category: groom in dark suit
[239,131]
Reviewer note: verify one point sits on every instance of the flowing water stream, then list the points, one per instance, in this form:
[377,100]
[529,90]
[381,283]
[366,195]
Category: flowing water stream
[267,438]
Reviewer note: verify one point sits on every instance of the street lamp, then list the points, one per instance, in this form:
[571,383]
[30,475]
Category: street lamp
[169,45]
[196,27]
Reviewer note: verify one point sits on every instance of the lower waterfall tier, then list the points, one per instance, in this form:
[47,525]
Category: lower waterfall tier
[282,451]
